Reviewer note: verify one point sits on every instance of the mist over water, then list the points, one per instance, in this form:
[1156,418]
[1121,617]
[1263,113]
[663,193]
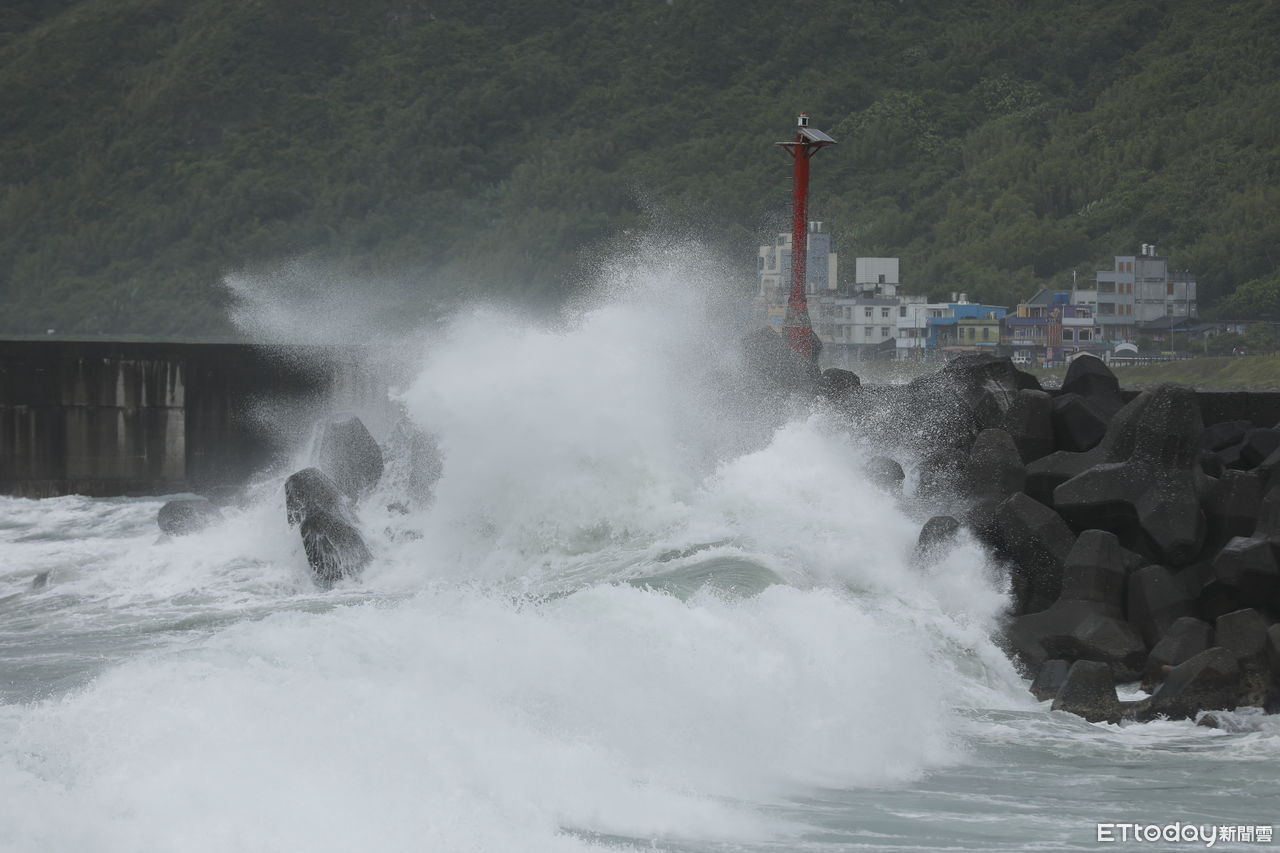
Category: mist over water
[643,609]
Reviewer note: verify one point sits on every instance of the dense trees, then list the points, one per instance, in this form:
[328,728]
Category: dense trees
[149,147]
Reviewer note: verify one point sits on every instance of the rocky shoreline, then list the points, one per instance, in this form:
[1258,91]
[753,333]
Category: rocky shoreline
[1142,544]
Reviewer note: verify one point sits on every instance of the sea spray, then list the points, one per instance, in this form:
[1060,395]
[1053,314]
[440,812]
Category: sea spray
[503,678]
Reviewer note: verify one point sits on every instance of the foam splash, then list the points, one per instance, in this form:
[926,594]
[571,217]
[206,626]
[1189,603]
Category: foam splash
[498,683]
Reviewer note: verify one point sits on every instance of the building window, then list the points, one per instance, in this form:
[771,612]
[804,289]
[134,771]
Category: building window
[884,331]
[986,334]
[881,279]
[867,313]
[1169,289]
[902,311]
[866,331]
[884,313]
[1068,335]
[1086,335]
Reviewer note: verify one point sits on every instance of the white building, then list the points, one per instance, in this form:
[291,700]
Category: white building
[1139,290]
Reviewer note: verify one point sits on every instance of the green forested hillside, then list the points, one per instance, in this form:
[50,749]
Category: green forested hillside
[148,147]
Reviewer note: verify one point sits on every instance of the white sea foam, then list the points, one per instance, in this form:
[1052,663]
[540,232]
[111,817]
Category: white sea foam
[498,683]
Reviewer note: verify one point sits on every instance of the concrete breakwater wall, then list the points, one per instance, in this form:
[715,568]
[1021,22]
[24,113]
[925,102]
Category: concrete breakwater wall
[106,418]
[109,418]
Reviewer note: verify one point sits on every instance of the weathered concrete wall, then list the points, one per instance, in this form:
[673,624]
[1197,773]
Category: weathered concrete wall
[112,418]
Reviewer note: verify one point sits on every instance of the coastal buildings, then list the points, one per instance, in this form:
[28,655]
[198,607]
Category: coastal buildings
[869,316]
[1140,290]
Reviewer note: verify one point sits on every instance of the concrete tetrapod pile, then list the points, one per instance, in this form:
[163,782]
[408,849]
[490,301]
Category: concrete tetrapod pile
[1141,543]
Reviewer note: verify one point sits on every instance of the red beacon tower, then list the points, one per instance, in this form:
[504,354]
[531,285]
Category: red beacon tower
[796,328]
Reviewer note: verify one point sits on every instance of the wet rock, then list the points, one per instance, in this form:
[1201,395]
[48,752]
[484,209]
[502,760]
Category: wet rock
[1258,444]
[1244,573]
[1231,506]
[347,452]
[1208,721]
[1155,601]
[1077,424]
[937,536]
[1036,541]
[413,463]
[945,411]
[1209,681]
[1076,630]
[333,546]
[1186,638]
[885,473]
[772,360]
[1090,378]
[335,550]
[1046,474]
[1094,571]
[1273,651]
[186,516]
[1029,420]
[1155,490]
[838,385]
[309,490]
[1089,692]
[1244,634]
[1052,675]
[1223,435]
[994,470]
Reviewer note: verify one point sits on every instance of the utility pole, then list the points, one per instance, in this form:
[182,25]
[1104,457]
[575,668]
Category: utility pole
[797,328]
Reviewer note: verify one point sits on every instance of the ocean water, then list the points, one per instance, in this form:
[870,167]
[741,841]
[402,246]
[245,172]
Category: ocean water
[645,610]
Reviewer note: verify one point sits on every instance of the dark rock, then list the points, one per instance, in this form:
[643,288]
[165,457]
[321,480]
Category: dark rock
[1268,526]
[333,546]
[1229,459]
[1075,630]
[1090,378]
[1094,571]
[414,463]
[1156,600]
[885,473]
[309,490]
[937,536]
[946,410]
[1209,681]
[1052,675]
[1244,573]
[335,550]
[1029,419]
[347,452]
[994,470]
[1089,692]
[1244,634]
[1155,490]
[187,516]
[1267,471]
[1077,424]
[1046,474]
[1208,721]
[1224,435]
[1186,638]
[1210,464]
[1273,651]
[838,385]
[771,359]
[1037,542]
[939,475]
[1258,444]
[1231,506]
